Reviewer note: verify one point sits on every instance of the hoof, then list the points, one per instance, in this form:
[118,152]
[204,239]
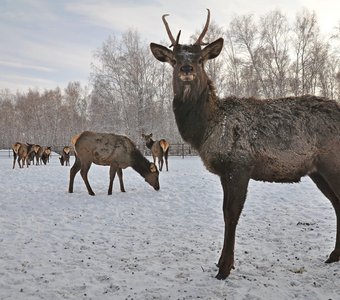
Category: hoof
[221,276]
[333,257]
[331,260]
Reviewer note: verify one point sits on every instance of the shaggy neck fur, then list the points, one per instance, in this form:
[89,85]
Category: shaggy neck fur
[194,108]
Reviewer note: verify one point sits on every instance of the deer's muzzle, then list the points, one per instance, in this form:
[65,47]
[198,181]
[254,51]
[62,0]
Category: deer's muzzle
[186,73]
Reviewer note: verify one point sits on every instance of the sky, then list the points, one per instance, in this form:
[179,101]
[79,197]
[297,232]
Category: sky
[47,44]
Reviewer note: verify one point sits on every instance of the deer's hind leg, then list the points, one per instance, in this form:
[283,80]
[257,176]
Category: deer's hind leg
[166,159]
[113,171]
[85,167]
[15,157]
[160,162]
[120,176]
[329,185]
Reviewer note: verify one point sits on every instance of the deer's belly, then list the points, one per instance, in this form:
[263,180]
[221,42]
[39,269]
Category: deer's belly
[279,167]
[287,167]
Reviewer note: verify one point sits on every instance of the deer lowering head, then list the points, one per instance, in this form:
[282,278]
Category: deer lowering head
[275,140]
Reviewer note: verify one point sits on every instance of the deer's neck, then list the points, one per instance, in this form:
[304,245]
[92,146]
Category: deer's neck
[139,163]
[150,143]
[194,109]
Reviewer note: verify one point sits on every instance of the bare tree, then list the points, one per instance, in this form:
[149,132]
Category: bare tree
[306,33]
[275,56]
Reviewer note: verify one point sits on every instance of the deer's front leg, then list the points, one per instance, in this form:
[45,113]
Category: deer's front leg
[234,190]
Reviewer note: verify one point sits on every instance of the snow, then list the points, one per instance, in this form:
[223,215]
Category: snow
[144,244]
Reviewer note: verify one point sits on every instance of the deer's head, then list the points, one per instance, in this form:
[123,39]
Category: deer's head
[187,60]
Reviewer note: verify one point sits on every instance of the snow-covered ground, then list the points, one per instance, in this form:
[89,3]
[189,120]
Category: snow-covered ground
[144,244]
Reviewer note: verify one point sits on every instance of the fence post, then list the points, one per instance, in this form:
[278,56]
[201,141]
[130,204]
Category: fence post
[182,150]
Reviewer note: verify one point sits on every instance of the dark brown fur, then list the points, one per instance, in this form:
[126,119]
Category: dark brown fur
[65,156]
[45,156]
[108,149]
[276,140]
[159,149]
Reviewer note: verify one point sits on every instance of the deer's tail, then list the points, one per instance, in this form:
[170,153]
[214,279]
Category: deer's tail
[164,145]
[74,139]
[16,147]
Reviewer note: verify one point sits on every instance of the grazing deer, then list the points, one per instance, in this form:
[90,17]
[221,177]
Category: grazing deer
[45,156]
[158,150]
[22,152]
[108,149]
[275,140]
[65,156]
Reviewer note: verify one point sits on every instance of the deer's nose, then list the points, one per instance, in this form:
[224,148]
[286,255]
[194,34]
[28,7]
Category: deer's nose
[187,69]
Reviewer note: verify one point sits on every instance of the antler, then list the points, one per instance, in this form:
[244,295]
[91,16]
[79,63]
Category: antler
[205,29]
[176,42]
[173,41]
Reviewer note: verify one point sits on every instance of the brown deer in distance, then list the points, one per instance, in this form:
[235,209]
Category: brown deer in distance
[108,149]
[37,152]
[21,152]
[159,149]
[275,140]
[65,156]
[45,156]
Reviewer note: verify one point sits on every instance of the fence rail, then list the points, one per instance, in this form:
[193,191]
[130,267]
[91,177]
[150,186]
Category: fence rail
[178,149]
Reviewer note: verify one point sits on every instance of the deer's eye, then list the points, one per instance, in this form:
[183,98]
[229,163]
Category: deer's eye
[200,61]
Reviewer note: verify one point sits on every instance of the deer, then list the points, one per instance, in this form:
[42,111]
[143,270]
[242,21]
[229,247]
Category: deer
[15,149]
[159,149]
[21,152]
[45,156]
[65,156]
[238,139]
[109,149]
[36,153]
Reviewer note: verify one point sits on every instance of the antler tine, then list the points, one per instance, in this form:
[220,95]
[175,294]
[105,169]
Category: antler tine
[173,41]
[178,35]
[205,29]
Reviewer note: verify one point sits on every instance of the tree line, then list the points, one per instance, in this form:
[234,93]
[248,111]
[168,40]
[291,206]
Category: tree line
[131,93]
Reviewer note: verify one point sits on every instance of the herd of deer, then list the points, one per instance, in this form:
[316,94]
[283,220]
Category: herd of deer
[26,153]
[112,150]
[275,140]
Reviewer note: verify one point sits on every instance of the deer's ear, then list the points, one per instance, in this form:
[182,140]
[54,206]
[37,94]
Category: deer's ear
[162,53]
[213,49]
[153,168]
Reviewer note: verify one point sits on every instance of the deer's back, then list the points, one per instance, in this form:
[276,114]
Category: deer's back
[281,139]
[105,148]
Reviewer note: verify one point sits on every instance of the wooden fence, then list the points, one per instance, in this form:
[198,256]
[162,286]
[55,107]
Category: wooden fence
[178,149]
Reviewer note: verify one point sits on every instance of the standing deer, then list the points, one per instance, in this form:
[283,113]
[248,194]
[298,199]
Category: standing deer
[22,152]
[45,156]
[158,150]
[65,156]
[15,148]
[37,151]
[275,140]
[108,149]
